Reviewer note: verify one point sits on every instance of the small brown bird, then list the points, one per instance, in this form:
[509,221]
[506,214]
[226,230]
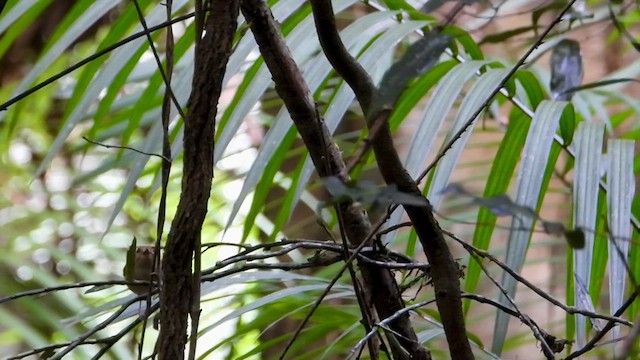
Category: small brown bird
[143,268]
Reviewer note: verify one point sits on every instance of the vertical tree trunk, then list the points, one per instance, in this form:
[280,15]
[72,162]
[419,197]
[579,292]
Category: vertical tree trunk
[212,55]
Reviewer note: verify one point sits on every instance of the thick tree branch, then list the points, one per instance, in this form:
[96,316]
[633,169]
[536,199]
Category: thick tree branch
[290,85]
[211,59]
[444,268]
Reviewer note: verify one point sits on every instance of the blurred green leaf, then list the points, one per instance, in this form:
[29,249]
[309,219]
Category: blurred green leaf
[420,57]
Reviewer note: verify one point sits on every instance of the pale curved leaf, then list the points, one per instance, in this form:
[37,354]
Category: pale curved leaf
[588,170]
[477,96]
[316,71]
[621,192]
[533,163]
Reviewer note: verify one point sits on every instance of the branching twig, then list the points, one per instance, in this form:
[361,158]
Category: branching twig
[600,334]
[364,302]
[107,146]
[166,146]
[95,329]
[631,340]
[166,75]
[114,339]
[43,291]
[212,276]
[384,323]
[524,318]
[289,246]
[330,285]
[568,309]
[108,341]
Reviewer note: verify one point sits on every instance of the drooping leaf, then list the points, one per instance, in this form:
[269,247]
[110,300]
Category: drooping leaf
[502,205]
[368,194]
[47,354]
[419,58]
[536,160]
[391,195]
[588,170]
[621,183]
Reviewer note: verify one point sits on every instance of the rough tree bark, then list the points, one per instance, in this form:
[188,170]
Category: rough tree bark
[212,55]
[444,270]
[379,284]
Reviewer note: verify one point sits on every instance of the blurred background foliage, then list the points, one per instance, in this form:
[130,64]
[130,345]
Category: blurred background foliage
[69,207]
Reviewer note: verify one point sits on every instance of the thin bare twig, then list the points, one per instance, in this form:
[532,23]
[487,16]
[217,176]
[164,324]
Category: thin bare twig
[166,146]
[108,341]
[384,323]
[524,318]
[600,334]
[631,340]
[43,291]
[107,146]
[364,303]
[568,309]
[123,332]
[4,106]
[80,339]
[331,284]
[166,76]
[402,262]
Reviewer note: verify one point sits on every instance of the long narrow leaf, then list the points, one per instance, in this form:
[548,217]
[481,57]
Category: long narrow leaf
[530,179]
[588,166]
[475,98]
[621,191]
[433,116]
[497,183]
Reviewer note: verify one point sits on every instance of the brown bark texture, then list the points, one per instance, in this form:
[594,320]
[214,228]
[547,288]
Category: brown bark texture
[212,55]
[444,270]
[379,284]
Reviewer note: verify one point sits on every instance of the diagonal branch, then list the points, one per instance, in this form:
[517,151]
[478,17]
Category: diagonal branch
[443,267]
[328,161]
